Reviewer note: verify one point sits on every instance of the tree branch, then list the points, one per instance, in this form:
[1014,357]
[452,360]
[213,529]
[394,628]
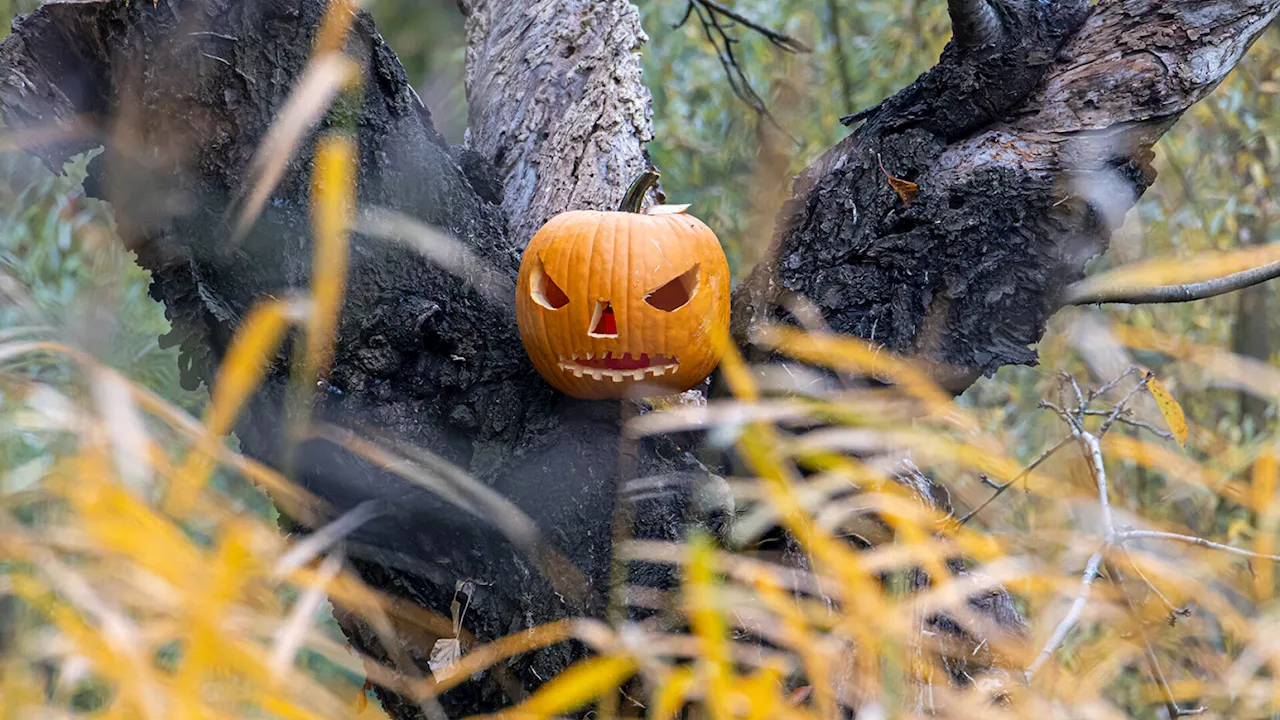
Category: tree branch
[1027,153]
[1082,293]
[717,20]
[975,22]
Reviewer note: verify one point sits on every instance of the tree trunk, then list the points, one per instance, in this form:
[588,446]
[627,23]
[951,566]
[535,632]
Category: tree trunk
[1027,151]
[1251,334]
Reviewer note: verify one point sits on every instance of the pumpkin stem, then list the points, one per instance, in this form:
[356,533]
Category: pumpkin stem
[634,199]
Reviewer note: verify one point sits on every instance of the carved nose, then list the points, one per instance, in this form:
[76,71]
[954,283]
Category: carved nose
[603,323]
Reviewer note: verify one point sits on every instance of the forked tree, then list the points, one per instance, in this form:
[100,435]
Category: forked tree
[1027,143]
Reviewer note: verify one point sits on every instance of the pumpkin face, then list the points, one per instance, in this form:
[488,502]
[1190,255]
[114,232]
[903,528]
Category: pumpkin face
[621,304]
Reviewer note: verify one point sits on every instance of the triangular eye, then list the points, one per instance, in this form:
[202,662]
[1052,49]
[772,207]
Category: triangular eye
[544,290]
[675,294]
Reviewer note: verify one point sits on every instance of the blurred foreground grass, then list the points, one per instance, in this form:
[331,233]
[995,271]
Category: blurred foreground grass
[142,573]
[133,587]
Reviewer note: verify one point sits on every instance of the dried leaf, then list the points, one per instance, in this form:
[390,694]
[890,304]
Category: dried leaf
[444,655]
[362,699]
[1171,410]
[906,189]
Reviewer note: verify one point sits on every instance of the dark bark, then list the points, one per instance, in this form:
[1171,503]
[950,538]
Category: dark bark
[180,95]
[1028,147]
[1000,137]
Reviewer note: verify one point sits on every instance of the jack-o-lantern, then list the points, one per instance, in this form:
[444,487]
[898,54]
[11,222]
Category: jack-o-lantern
[624,304]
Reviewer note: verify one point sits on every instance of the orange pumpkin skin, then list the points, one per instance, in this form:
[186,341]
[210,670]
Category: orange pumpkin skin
[666,280]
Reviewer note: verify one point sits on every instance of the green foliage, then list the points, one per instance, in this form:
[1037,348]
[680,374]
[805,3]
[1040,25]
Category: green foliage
[709,142]
[59,248]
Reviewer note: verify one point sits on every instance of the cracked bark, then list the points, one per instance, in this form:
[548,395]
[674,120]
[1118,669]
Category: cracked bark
[1020,186]
[556,103]
[1028,144]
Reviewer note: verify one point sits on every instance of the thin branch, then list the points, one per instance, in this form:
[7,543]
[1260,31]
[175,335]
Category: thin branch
[717,20]
[1080,294]
[781,40]
[1103,390]
[1093,453]
[1170,700]
[1006,485]
[1072,617]
[1115,413]
[1126,420]
[1193,540]
[1174,610]
[837,44]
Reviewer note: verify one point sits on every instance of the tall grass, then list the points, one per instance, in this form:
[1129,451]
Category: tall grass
[136,581]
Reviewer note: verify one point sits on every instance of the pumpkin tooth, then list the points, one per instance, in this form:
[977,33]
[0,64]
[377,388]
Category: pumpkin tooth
[589,356]
[638,374]
[577,372]
[658,370]
[617,376]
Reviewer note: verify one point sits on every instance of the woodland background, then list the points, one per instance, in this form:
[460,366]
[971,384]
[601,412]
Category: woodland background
[730,156]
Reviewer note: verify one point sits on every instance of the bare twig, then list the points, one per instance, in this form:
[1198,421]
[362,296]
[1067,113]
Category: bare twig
[1106,388]
[717,21]
[1119,408]
[1170,700]
[1072,617]
[1000,488]
[1093,453]
[1192,540]
[1174,610]
[781,40]
[1081,294]
[1124,419]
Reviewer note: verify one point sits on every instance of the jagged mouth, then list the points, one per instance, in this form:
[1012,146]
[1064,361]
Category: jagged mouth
[619,368]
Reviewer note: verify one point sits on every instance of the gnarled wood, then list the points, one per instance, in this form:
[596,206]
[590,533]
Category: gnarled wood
[1021,180]
[1018,143]
[556,103]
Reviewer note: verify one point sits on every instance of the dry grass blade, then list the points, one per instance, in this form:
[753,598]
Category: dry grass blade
[310,547]
[290,635]
[333,197]
[336,26]
[252,352]
[125,428]
[455,485]
[852,355]
[438,247]
[575,687]
[77,128]
[325,76]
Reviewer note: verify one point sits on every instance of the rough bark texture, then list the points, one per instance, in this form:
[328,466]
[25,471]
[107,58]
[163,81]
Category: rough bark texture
[556,103]
[1027,149]
[423,357]
[1010,138]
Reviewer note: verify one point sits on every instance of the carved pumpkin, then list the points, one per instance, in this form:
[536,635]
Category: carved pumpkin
[623,304]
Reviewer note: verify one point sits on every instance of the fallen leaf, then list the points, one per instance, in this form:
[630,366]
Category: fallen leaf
[444,656]
[1171,410]
[906,189]
[362,700]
